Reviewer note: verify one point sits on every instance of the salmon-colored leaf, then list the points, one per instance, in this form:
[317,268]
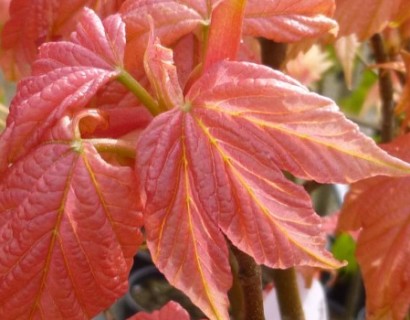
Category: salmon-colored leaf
[213,163]
[162,73]
[67,243]
[379,206]
[365,18]
[65,77]
[171,311]
[289,20]
[184,240]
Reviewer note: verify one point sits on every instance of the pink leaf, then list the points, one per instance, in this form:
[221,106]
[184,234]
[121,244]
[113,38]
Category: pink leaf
[162,73]
[171,311]
[185,243]
[67,244]
[211,166]
[379,206]
[65,77]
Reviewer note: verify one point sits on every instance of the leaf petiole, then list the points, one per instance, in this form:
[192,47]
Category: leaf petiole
[119,147]
[139,91]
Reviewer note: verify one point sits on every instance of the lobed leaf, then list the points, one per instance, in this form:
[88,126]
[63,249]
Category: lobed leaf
[162,73]
[212,165]
[379,206]
[65,77]
[185,243]
[67,244]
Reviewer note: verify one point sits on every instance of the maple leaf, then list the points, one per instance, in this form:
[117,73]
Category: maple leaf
[35,22]
[65,77]
[171,311]
[67,243]
[379,206]
[368,17]
[281,21]
[211,166]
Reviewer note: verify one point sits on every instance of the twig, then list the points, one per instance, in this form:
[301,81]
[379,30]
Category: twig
[288,294]
[249,274]
[273,53]
[385,89]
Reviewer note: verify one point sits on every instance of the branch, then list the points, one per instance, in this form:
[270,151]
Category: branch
[288,294]
[385,89]
[273,53]
[249,275]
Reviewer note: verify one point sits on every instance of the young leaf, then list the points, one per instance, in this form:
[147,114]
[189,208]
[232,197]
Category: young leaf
[67,243]
[380,207]
[212,164]
[171,311]
[65,77]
